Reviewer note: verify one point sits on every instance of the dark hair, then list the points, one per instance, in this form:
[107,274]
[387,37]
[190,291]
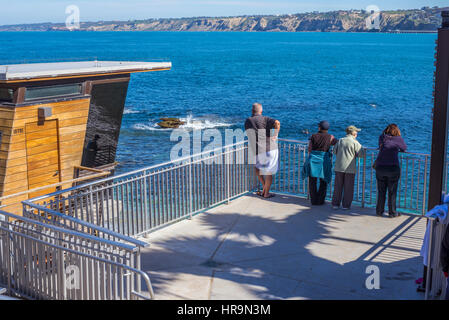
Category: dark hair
[392,130]
[324,125]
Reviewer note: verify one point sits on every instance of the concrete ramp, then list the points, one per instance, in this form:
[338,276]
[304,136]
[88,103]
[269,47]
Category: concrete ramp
[282,248]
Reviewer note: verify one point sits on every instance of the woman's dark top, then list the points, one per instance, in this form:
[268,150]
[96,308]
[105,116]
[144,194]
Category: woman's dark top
[389,147]
[322,141]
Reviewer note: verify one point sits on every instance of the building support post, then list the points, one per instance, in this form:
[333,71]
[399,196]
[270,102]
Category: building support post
[438,162]
[438,157]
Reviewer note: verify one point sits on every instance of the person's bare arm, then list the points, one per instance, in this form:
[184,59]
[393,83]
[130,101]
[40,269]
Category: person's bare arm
[333,140]
[277,128]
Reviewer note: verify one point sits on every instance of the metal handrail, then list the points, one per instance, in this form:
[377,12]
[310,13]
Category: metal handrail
[129,199]
[83,224]
[102,173]
[141,193]
[152,167]
[171,191]
[79,246]
[368,148]
[141,273]
[413,185]
[183,159]
[68,231]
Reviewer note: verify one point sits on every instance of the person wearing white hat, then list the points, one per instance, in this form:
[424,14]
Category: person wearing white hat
[346,150]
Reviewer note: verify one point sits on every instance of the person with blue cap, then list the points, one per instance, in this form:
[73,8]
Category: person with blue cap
[319,163]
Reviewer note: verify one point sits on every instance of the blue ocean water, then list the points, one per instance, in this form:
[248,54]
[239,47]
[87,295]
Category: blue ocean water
[365,79]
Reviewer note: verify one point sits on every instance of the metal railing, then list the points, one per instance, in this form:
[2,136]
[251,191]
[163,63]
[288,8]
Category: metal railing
[12,202]
[141,201]
[62,220]
[412,188]
[42,261]
[135,203]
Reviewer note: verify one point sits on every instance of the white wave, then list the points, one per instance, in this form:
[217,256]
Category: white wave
[149,127]
[198,124]
[190,124]
[130,111]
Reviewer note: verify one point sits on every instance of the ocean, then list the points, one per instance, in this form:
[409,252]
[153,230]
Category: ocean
[365,79]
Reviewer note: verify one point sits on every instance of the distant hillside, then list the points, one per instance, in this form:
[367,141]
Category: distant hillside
[416,20]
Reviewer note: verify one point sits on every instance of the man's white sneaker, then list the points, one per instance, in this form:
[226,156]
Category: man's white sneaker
[335,207]
[345,208]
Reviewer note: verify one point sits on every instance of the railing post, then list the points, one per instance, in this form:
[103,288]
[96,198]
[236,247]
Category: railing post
[363,179]
[227,156]
[9,262]
[91,200]
[138,266]
[61,286]
[423,211]
[440,115]
[145,202]
[190,188]
[429,260]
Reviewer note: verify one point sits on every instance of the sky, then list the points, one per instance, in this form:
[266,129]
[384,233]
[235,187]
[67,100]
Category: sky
[33,11]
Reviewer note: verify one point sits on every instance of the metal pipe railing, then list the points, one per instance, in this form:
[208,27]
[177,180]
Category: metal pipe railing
[56,218]
[139,202]
[142,201]
[42,261]
[412,189]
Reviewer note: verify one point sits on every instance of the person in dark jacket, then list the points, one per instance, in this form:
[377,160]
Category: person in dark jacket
[444,258]
[320,143]
[388,170]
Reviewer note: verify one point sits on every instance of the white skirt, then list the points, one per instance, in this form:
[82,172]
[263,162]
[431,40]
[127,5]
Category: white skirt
[267,162]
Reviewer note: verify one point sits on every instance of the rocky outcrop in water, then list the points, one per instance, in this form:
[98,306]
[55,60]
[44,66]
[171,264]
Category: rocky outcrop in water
[418,20]
[170,123]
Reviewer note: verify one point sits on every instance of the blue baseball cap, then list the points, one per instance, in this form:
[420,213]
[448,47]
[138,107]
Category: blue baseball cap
[324,125]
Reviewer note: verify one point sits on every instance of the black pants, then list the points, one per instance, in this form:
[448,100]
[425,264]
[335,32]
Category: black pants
[343,189]
[387,180]
[317,196]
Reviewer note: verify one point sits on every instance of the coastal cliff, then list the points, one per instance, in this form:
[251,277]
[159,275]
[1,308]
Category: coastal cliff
[418,20]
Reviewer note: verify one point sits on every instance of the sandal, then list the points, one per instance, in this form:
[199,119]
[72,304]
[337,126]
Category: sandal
[269,196]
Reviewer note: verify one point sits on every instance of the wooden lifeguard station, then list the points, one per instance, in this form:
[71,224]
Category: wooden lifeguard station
[57,119]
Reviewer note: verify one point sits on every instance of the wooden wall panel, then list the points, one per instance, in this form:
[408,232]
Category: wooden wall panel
[6,114]
[72,119]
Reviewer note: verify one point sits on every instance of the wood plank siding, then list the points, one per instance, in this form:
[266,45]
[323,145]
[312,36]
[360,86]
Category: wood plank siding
[35,153]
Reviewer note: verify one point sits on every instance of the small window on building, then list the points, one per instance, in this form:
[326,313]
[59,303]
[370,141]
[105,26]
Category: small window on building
[6,94]
[48,92]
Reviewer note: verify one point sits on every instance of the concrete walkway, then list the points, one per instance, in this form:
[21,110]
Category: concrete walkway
[282,248]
